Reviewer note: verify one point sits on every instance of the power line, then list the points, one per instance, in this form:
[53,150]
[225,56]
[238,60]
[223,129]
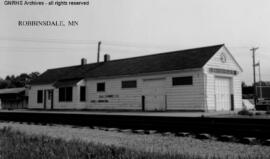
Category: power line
[107,43]
[62,41]
[88,42]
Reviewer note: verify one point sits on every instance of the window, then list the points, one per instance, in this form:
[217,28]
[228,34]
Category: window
[182,81]
[39,96]
[65,94]
[82,93]
[101,87]
[129,84]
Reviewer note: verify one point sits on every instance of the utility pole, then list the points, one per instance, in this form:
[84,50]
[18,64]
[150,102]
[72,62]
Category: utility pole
[260,79]
[254,72]
[98,53]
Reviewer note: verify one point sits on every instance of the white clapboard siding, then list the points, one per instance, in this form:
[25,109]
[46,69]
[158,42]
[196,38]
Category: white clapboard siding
[230,64]
[116,97]
[187,97]
[33,96]
[178,97]
[237,93]
[75,104]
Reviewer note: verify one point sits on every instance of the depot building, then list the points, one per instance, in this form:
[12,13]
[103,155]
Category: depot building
[199,79]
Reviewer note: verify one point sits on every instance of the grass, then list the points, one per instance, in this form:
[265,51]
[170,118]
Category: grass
[19,145]
[19,141]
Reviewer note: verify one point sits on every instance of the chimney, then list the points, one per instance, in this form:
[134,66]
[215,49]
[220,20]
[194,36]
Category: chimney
[107,57]
[83,61]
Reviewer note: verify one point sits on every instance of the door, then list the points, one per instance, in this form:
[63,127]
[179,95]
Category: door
[49,99]
[223,94]
[154,92]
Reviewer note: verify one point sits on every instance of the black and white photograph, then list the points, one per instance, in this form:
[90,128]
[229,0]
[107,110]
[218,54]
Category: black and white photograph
[134,79]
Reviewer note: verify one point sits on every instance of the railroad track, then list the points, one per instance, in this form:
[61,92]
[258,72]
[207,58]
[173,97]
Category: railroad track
[245,130]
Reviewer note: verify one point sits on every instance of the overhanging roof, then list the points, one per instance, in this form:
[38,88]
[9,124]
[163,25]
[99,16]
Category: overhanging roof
[12,90]
[66,83]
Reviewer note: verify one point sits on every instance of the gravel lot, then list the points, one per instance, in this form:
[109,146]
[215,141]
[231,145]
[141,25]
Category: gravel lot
[150,143]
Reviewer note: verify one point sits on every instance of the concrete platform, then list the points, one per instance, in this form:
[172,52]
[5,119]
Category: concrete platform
[157,114]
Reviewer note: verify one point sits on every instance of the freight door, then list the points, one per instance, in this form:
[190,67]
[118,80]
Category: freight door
[223,94]
[154,92]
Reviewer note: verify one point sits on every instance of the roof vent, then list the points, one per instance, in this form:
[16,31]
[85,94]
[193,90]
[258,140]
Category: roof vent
[83,61]
[107,57]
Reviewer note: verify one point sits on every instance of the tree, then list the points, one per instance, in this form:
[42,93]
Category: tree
[34,75]
[3,84]
[12,81]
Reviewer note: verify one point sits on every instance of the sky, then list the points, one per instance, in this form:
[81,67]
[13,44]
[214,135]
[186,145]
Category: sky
[129,28]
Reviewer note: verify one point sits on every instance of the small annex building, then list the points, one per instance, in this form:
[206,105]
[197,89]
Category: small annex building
[14,98]
[200,79]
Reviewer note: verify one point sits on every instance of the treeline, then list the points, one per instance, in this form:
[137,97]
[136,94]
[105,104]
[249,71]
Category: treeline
[21,80]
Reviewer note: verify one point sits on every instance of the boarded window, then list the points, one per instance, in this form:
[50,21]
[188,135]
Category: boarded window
[65,94]
[82,93]
[176,81]
[39,96]
[129,84]
[101,87]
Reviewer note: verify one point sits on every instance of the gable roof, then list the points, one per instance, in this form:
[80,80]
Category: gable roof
[176,60]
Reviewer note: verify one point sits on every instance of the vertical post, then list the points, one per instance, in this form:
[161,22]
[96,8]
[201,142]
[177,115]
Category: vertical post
[52,99]
[260,78]
[166,102]
[98,53]
[143,103]
[232,102]
[44,99]
[254,73]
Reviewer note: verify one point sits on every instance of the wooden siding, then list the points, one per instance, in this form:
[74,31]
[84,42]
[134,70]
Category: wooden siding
[230,64]
[178,97]
[75,104]
[33,96]
[115,97]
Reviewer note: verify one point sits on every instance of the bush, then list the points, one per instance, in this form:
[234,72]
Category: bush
[258,113]
[245,112]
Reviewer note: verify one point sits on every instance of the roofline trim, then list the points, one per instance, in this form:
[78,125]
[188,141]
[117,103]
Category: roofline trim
[212,55]
[241,69]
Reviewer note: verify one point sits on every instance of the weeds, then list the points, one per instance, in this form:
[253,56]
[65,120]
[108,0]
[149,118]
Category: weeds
[15,144]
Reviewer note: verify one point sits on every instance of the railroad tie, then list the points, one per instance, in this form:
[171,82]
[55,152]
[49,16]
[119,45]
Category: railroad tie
[203,136]
[182,134]
[248,140]
[226,138]
[102,128]
[139,131]
[126,130]
[95,127]
[150,131]
[113,129]
[167,134]
[267,142]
